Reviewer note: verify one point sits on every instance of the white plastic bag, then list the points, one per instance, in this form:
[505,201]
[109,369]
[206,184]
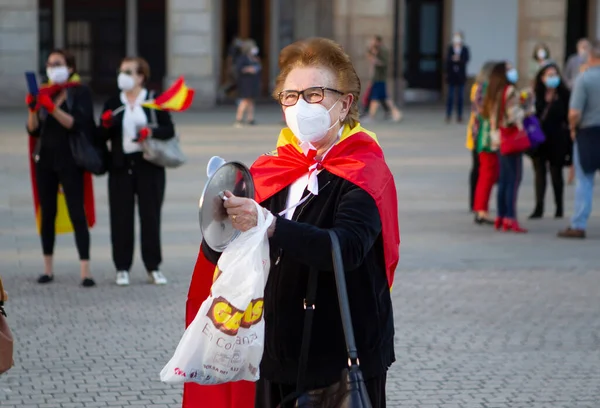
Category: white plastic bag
[225,341]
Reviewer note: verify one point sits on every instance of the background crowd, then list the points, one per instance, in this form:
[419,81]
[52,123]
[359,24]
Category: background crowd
[554,120]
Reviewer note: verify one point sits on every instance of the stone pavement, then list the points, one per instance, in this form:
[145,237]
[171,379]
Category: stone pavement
[483,319]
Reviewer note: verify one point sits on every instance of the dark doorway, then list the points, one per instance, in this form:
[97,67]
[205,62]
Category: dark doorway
[45,33]
[247,19]
[577,24]
[95,34]
[423,47]
[151,35]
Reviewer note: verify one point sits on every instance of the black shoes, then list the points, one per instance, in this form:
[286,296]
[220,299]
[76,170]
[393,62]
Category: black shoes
[86,282]
[482,221]
[45,278]
[537,214]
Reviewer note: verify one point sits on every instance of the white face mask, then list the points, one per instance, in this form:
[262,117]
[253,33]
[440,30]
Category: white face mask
[309,122]
[457,40]
[125,82]
[58,75]
[541,53]
[254,51]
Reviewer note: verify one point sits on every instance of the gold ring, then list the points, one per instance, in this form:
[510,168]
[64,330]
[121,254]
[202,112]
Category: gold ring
[233,217]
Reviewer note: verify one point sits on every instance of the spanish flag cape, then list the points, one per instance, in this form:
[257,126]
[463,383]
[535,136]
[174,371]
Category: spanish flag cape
[63,222]
[356,157]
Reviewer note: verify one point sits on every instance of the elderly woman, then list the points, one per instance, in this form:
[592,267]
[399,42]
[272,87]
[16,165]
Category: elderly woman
[327,173]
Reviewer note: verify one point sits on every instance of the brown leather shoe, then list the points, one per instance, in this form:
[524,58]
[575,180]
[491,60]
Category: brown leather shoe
[572,233]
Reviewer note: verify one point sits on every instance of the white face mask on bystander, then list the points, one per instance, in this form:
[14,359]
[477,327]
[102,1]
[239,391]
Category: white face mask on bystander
[125,82]
[58,75]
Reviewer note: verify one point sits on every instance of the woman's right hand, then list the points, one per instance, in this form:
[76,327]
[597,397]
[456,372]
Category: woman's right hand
[107,119]
[31,102]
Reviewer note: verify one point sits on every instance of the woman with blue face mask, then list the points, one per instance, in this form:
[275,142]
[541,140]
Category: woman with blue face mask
[503,108]
[552,107]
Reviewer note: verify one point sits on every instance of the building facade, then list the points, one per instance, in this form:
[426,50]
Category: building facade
[191,37]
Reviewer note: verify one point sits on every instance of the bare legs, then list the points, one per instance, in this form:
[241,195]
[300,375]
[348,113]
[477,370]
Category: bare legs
[245,107]
[396,114]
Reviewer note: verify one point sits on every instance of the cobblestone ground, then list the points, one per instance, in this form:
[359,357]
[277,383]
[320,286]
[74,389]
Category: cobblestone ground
[483,319]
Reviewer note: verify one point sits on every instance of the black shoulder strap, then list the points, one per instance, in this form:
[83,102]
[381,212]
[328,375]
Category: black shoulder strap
[153,120]
[70,98]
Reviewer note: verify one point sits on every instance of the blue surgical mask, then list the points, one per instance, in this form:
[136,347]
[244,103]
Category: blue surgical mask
[512,75]
[552,81]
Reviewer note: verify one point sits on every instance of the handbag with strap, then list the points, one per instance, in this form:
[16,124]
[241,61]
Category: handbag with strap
[6,338]
[350,391]
[532,126]
[164,153]
[90,152]
[512,139]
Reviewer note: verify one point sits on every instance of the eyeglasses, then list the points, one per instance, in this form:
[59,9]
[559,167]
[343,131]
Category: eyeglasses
[125,71]
[54,64]
[311,95]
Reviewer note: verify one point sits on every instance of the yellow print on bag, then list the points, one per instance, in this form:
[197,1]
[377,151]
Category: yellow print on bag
[228,319]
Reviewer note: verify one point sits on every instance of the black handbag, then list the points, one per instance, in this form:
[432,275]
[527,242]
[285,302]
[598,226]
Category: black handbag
[88,150]
[350,391]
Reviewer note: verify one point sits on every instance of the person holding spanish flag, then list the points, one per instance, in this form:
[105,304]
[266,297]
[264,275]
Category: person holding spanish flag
[62,108]
[125,123]
[326,173]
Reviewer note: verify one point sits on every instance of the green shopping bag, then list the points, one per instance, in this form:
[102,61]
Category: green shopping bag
[484,136]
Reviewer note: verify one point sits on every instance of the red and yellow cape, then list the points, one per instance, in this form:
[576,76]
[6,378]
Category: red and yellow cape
[356,157]
[63,221]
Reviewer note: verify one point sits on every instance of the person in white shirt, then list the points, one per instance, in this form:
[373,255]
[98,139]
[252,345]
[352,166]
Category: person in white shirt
[125,124]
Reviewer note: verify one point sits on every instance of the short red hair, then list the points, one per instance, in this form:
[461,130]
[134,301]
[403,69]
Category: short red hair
[325,53]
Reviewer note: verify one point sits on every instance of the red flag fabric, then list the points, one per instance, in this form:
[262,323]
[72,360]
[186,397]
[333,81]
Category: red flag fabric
[356,157]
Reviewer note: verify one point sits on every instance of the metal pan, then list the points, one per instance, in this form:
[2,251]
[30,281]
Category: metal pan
[215,225]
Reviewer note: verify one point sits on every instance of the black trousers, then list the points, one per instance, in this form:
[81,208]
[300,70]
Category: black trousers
[541,164]
[142,180]
[270,395]
[71,179]
[474,175]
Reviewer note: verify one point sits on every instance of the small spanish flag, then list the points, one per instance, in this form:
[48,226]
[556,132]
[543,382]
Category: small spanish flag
[177,98]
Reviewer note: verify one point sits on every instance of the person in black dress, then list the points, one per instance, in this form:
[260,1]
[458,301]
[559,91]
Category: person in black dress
[552,107]
[248,68]
[53,119]
[125,123]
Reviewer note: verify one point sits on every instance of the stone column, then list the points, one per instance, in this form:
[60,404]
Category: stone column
[192,42]
[541,21]
[18,49]
[131,37]
[355,21]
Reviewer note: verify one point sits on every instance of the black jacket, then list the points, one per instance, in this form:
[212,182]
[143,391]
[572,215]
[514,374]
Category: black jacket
[53,138]
[554,120]
[164,131]
[456,71]
[303,243]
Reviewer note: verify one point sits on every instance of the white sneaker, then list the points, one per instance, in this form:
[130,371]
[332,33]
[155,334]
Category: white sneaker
[123,278]
[157,278]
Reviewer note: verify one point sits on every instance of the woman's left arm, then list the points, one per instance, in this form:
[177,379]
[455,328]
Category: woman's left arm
[357,224]
[165,129]
[82,112]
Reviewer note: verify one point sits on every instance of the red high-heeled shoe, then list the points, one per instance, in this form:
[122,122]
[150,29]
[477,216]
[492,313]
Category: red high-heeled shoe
[498,223]
[513,225]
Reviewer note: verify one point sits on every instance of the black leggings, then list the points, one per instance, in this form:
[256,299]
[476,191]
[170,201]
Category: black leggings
[540,168]
[71,180]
